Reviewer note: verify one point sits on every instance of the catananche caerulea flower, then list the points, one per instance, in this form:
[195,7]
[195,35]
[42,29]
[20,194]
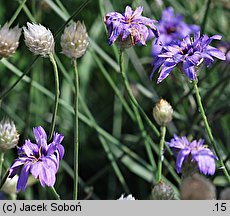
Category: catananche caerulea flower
[41,159]
[172,27]
[194,151]
[188,53]
[130,24]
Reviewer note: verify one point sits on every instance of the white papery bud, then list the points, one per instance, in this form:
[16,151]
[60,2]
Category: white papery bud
[8,135]
[75,40]
[39,39]
[9,40]
[9,187]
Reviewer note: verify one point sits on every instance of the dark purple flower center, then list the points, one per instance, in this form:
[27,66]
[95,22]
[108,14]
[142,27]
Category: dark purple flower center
[170,30]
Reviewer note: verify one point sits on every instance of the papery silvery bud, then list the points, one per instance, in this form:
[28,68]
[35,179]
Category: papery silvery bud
[9,187]
[8,135]
[129,197]
[197,187]
[9,40]
[39,39]
[162,191]
[75,40]
[225,194]
[162,112]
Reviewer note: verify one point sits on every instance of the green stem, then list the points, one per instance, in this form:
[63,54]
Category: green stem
[208,129]
[131,97]
[57,93]
[161,148]
[54,193]
[76,142]
[1,164]
[135,107]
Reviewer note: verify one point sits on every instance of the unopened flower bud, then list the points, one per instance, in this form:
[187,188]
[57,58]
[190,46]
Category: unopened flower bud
[75,40]
[162,191]
[197,187]
[9,187]
[39,39]
[8,135]
[129,197]
[225,194]
[9,40]
[162,112]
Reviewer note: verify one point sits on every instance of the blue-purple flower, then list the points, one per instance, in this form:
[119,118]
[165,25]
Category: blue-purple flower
[172,27]
[194,151]
[40,159]
[130,25]
[188,53]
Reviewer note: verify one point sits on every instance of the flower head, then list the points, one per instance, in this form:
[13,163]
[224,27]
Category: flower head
[39,39]
[8,135]
[130,27]
[188,53]
[172,27]
[194,151]
[9,40]
[162,112]
[75,40]
[41,159]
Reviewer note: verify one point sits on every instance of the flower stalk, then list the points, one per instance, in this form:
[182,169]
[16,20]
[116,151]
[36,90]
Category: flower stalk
[135,107]
[208,129]
[161,149]
[1,164]
[57,93]
[76,138]
[54,193]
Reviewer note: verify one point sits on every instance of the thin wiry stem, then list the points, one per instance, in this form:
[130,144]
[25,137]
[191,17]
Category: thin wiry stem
[54,193]
[57,93]
[161,148]
[208,129]
[135,106]
[1,164]
[76,138]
